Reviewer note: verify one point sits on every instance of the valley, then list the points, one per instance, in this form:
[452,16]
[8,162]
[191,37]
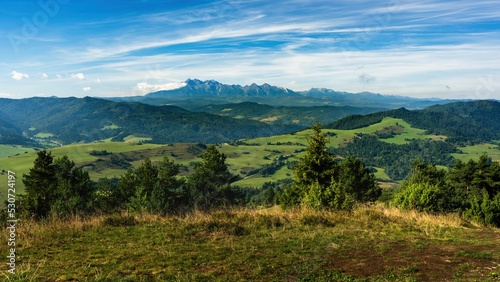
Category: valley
[245,157]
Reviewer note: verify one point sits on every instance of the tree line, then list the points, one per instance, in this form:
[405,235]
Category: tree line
[396,159]
[56,188]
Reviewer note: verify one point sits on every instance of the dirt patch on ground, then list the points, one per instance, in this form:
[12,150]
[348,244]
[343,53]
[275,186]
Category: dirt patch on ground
[426,263]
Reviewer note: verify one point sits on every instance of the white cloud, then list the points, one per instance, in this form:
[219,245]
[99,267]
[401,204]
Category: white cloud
[18,76]
[97,80]
[144,88]
[79,76]
[86,89]
[5,95]
[43,75]
[59,76]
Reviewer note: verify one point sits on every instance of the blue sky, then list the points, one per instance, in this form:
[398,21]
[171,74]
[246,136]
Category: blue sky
[445,49]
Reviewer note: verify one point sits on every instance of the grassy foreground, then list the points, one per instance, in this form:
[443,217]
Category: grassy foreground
[373,243]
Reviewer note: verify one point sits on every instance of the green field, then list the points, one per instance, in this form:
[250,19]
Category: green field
[78,153]
[373,243]
[474,152]
[7,151]
[136,139]
[113,126]
[44,135]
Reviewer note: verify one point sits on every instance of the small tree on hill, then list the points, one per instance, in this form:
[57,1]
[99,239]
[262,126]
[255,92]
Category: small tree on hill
[146,176]
[74,189]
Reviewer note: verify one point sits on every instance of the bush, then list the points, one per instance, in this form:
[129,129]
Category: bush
[420,196]
[483,209]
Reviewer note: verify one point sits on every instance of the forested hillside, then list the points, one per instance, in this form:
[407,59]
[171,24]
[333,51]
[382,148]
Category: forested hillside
[9,133]
[305,116]
[89,119]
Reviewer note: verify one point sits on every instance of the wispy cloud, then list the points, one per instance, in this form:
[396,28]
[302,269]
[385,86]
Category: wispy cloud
[86,89]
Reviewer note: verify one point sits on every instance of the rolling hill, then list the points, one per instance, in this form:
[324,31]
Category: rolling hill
[463,122]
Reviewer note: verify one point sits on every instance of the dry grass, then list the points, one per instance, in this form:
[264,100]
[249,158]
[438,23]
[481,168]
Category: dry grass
[257,244]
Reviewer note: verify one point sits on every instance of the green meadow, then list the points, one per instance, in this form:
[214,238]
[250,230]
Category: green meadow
[475,151]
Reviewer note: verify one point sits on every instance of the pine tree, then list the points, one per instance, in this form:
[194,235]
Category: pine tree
[169,194]
[358,181]
[317,165]
[146,179]
[74,189]
[41,184]
[320,182]
[209,183]
[56,188]
[312,174]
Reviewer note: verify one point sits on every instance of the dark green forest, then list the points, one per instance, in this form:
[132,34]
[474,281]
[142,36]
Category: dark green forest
[397,159]
[471,189]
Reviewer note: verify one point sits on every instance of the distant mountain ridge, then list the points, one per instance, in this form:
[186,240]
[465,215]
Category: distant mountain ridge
[195,87]
[196,93]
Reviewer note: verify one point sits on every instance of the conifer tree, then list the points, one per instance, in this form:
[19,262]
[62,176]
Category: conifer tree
[40,185]
[169,194]
[56,188]
[209,183]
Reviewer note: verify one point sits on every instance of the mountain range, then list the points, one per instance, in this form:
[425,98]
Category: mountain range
[195,93]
